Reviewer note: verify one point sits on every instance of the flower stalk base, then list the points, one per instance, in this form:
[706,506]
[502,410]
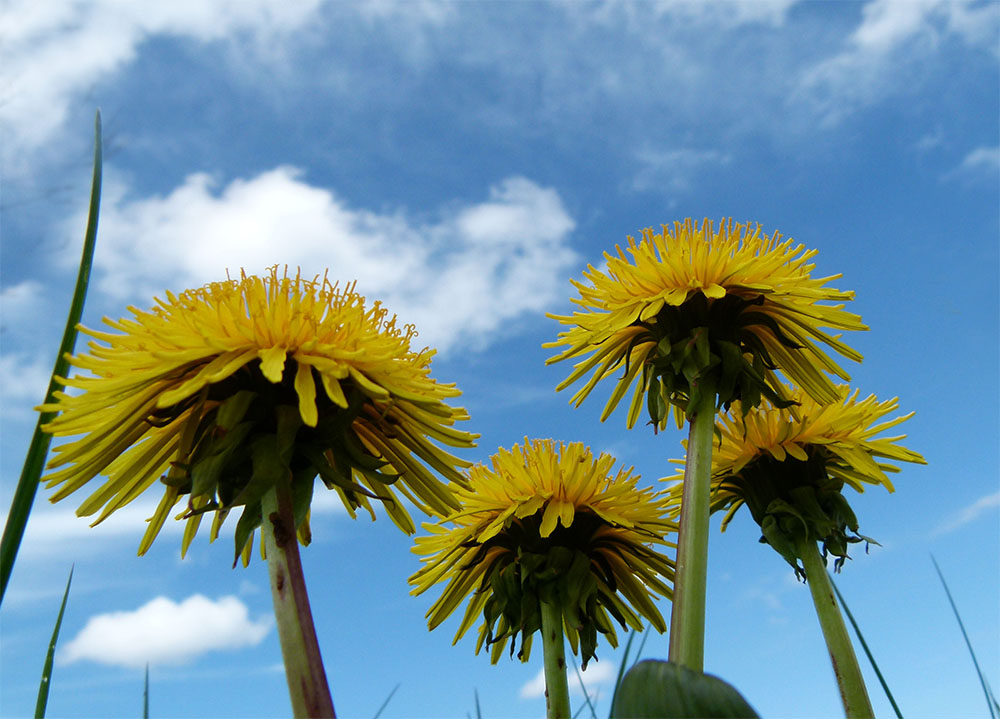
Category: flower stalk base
[687,621]
[853,692]
[554,649]
[304,671]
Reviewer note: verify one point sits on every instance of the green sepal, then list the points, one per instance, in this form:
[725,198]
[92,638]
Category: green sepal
[248,522]
[780,542]
[207,470]
[655,689]
[232,410]
[268,469]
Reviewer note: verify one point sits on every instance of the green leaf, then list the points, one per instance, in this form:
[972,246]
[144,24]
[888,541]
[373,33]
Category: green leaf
[662,690]
[34,462]
[43,687]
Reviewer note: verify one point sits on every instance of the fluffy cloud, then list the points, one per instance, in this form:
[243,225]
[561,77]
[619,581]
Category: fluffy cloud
[880,48]
[463,277]
[165,632]
[595,675]
[55,51]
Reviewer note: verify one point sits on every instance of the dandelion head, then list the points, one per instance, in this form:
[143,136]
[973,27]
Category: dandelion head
[218,393]
[548,522]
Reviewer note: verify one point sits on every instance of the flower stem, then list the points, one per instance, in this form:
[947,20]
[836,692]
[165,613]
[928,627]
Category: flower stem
[853,693]
[554,650]
[687,619]
[307,684]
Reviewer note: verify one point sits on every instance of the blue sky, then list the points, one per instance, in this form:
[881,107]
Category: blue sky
[463,161]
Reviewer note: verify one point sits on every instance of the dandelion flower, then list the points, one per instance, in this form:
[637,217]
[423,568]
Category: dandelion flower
[732,303]
[789,467]
[547,522]
[214,392]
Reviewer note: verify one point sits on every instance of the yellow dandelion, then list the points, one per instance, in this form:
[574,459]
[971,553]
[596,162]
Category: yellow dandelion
[732,305]
[789,466]
[214,393]
[548,523]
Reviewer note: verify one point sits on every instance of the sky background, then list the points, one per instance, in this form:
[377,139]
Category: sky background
[462,162]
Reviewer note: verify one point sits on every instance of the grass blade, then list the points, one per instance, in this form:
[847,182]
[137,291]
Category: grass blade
[479,711]
[586,694]
[386,702]
[622,668]
[145,695]
[990,701]
[34,462]
[864,645]
[43,687]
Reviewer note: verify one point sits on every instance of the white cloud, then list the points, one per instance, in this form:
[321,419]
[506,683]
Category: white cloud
[880,51]
[980,162]
[463,277]
[55,51]
[672,171]
[23,381]
[51,529]
[165,632]
[968,514]
[596,674]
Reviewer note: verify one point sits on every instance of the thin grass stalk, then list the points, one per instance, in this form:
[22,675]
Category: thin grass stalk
[386,702]
[145,694]
[586,694]
[554,652]
[34,462]
[307,685]
[622,667]
[687,619]
[864,645]
[46,682]
[965,635]
[853,692]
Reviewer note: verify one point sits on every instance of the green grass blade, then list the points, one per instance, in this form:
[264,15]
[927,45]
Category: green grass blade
[145,695]
[622,668]
[586,694]
[43,687]
[34,462]
[386,702]
[990,701]
[864,645]
[479,711]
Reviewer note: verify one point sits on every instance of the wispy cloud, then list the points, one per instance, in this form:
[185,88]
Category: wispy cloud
[881,50]
[979,164]
[672,171]
[596,675]
[968,514]
[166,632]
[56,51]
[472,272]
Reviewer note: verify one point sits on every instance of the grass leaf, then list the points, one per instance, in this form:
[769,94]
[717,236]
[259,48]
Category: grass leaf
[386,702]
[991,702]
[34,462]
[43,687]
[864,645]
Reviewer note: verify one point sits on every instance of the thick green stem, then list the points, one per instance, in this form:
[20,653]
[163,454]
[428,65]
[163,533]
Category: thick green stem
[554,649]
[687,619]
[307,684]
[845,664]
